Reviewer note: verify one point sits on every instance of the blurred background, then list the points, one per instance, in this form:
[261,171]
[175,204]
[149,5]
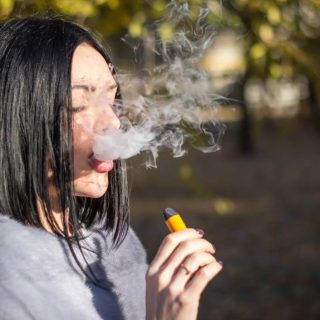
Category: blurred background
[258,198]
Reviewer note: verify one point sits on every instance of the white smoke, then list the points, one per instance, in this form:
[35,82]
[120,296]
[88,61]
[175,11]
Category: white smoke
[169,104]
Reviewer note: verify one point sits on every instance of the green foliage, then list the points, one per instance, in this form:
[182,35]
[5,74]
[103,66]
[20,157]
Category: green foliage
[107,16]
[282,35]
[283,32]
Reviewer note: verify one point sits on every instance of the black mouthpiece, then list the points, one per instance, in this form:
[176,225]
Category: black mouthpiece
[169,212]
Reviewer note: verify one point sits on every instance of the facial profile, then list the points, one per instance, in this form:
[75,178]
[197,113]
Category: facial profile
[93,94]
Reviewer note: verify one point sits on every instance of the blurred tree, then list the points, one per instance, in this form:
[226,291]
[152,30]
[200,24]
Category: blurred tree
[106,16]
[281,36]
[282,41]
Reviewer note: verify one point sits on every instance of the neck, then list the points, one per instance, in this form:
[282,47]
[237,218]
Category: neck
[58,216]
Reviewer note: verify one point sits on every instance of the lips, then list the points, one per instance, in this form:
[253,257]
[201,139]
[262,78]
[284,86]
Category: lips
[100,166]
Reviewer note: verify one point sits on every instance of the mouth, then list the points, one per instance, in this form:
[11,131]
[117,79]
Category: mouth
[100,166]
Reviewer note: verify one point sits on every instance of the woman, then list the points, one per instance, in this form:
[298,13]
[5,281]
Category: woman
[67,251]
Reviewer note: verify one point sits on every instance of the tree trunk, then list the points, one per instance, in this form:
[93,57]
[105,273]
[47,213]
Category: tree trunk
[246,134]
[314,101]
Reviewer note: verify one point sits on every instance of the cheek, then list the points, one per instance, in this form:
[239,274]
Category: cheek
[82,145]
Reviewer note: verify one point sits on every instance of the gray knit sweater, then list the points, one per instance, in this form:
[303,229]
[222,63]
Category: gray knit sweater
[39,278]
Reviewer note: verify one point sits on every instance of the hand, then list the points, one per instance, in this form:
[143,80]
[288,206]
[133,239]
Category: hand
[178,274]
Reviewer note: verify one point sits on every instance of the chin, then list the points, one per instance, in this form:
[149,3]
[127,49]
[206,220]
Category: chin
[91,188]
[95,195]
[91,192]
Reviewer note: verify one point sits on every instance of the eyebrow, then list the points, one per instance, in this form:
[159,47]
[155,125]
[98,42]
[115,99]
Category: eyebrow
[92,88]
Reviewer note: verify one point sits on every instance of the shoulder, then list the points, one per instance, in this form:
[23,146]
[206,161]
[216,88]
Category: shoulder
[130,249]
[133,245]
[125,267]
[19,242]
[24,249]
[37,280]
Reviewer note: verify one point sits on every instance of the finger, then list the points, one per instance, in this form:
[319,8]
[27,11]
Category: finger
[201,279]
[168,245]
[189,267]
[183,250]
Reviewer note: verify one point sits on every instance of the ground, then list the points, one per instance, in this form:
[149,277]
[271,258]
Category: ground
[260,211]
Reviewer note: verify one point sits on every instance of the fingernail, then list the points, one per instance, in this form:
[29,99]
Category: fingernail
[200,231]
[220,262]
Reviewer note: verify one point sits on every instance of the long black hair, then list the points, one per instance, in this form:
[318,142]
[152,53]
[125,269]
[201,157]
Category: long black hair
[36,129]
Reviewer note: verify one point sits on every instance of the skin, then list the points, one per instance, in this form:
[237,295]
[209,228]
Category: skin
[172,292]
[92,111]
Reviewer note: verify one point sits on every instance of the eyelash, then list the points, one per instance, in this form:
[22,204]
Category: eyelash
[81,108]
[78,109]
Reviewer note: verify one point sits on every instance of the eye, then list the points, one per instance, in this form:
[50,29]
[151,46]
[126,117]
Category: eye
[78,109]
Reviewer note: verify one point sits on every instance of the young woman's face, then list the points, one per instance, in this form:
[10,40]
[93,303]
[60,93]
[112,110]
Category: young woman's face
[93,94]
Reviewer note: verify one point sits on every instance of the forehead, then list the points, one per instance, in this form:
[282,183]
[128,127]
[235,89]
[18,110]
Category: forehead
[88,65]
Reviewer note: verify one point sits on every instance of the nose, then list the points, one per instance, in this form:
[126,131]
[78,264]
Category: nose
[115,121]
[107,120]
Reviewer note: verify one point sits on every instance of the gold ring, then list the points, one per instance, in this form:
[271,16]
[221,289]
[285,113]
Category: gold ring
[185,268]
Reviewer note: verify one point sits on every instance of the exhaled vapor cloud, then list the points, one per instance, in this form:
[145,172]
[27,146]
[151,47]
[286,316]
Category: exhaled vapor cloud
[165,106]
